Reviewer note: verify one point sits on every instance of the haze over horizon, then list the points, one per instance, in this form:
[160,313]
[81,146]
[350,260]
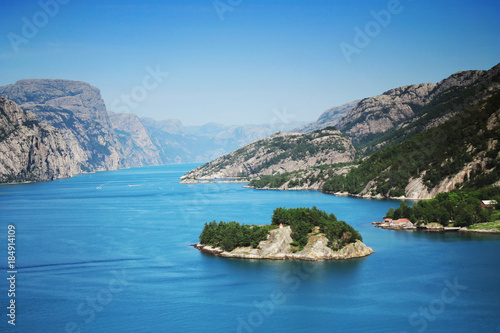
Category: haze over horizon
[244,62]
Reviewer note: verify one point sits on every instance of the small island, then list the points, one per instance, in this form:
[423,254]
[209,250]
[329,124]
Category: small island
[294,234]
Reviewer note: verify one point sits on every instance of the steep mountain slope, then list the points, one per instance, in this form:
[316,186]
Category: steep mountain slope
[403,112]
[282,152]
[328,118]
[464,151]
[77,110]
[29,150]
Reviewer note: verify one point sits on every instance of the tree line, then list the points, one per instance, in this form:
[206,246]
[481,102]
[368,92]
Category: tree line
[461,208]
[303,220]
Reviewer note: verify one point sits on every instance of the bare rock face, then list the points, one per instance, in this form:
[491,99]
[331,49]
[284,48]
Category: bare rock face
[380,113]
[77,110]
[282,152]
[398,107]
[29,150]
[277,247]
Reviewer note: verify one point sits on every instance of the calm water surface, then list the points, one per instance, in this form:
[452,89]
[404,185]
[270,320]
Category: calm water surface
[109,252]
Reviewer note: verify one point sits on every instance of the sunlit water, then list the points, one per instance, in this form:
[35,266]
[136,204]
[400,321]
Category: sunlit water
[109,252]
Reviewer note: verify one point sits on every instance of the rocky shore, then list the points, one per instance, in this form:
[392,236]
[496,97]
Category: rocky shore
[277,247]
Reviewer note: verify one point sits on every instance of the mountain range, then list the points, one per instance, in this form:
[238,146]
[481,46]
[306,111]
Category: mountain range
[409,142]
[89,138]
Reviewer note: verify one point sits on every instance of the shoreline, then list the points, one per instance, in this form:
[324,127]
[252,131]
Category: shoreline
[345,253]
[339,194]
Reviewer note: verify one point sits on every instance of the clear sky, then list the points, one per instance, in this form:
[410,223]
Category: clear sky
[242,61]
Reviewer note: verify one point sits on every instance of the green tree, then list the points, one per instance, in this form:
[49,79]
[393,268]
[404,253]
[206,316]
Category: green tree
[390,213]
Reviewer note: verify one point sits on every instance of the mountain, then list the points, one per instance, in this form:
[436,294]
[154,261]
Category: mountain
[94,138]
[413,141]
[462,152]
[403,112]
[137,145]
[195,144]
[328,118]
[30,150]
[77,110]
[282,152]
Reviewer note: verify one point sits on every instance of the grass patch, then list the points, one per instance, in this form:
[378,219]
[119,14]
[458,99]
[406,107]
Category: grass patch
[486,226]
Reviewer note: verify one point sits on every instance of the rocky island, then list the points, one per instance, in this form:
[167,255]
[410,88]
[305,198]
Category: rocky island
[310,235]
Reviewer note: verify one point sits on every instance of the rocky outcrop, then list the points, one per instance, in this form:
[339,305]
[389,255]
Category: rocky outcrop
[328,118]
[282,152]
[29,150]
[277,247]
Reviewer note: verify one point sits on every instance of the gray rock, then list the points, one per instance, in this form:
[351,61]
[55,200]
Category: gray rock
[29,150]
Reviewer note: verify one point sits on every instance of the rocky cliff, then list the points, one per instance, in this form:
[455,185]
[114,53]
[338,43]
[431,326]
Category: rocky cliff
[30,150]
[282,152]
[102,140]
[277,247]
[77,110]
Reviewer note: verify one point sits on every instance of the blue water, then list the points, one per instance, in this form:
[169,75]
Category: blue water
[116,259]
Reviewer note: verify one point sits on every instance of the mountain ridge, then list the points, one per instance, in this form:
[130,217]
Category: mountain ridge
[393,118]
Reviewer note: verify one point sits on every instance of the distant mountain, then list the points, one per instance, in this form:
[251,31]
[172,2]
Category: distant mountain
[282,152]
[195,144]
[328,118]
[29,150]
[137,145]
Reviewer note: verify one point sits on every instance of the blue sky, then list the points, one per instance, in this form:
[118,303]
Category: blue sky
[263,56]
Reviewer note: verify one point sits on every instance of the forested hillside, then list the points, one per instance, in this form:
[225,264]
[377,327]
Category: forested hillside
[462,152]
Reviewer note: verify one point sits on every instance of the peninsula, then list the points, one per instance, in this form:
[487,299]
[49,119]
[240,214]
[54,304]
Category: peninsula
[295,234]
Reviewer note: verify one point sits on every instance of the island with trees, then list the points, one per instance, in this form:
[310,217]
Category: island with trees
[297,233]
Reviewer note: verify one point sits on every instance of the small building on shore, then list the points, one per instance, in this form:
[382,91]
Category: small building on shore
[402,223]
[488,203]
